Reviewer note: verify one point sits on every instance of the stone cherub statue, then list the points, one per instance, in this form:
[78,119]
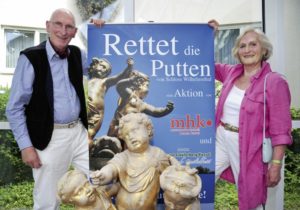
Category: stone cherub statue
[74,188]
[181,186]
[98,84]
[138,167]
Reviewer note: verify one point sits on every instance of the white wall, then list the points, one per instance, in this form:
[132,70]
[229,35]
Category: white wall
[29,14]
[227,12]
[291,26]
[283,29]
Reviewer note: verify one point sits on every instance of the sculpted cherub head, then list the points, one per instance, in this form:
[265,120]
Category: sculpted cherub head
[99,68]
[75,188]
[181,186]
[136,130]
[141,83]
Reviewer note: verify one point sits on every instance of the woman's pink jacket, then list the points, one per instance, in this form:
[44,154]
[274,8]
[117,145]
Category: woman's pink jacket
[252,189]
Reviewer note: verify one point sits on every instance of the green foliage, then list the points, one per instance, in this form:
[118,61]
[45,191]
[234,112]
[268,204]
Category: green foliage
[225,196]
[295,113]
[295,147]
[88,8]
[16,196]
[19,196]
[218,87]
[4,94]
[13,170]
[292,171]
[292,180]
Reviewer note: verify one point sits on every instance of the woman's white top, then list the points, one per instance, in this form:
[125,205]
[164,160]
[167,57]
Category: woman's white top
[232,106]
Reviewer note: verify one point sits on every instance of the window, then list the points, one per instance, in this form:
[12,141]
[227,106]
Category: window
[43,37]
[225,40]
[17,40]
[224,44]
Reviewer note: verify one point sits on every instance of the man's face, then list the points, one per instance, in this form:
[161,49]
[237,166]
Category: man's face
[136,136]
[61,29]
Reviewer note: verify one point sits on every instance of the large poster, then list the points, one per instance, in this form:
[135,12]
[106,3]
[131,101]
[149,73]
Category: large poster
[174,71]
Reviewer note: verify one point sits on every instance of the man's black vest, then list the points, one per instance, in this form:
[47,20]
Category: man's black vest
[40,112]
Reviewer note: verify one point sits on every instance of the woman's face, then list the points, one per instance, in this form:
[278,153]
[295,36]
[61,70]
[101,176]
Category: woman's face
[250,50]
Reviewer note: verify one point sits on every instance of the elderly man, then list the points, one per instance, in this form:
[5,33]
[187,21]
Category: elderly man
[47,111]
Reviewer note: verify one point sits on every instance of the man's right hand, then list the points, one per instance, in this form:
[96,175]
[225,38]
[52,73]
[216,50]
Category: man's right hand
[30,157]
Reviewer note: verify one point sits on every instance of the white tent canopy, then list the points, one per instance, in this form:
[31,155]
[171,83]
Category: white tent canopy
[226,12]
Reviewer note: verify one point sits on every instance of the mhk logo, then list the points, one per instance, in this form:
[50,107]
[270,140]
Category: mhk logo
[190,123]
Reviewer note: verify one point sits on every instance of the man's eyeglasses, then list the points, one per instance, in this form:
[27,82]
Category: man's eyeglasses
[60,25]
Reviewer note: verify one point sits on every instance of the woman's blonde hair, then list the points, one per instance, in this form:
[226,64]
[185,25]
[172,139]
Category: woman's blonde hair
[263,40]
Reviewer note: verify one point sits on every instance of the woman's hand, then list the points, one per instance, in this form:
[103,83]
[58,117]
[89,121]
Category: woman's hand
[97,22]
[273,176]
[214,24]
[274,170]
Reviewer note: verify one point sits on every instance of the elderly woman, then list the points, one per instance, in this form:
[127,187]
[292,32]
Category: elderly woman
[240,116]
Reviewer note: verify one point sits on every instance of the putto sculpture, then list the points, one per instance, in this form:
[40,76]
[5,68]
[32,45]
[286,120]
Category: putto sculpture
[133,91]
[138,167]
[99,83]
[181,186]
[74,188]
